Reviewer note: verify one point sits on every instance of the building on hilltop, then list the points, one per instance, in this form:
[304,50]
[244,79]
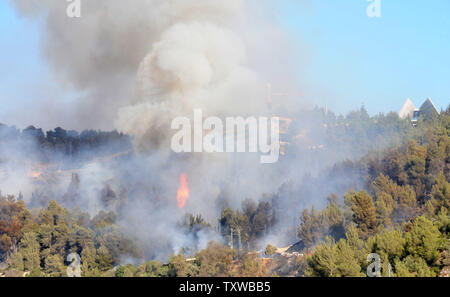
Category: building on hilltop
[409,111]
[428,109]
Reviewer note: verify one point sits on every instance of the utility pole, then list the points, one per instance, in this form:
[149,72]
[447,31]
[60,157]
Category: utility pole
[231,237]
[239,238]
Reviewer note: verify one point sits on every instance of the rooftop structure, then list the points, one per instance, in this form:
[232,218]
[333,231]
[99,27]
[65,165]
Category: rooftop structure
[409,110]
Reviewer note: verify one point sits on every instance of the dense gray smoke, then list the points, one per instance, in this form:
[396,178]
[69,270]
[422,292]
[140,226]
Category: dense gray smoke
[131,62]
[135,67]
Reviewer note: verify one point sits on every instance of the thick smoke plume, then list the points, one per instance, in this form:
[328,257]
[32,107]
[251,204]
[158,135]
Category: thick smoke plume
[133,62]
[134,66]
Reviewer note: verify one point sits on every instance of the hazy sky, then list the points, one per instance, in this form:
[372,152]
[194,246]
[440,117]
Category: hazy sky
[348,59]
[378,62]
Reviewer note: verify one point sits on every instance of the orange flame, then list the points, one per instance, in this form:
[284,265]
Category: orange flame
[34,174]
[183,191]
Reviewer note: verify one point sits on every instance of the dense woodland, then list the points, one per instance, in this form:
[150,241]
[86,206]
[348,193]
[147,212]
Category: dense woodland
[60,144]
[403,215]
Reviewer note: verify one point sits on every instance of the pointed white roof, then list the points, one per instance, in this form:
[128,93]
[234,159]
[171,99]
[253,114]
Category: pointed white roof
[428,107]
[407,110]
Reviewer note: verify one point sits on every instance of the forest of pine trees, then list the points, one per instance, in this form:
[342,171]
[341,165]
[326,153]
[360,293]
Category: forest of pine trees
[403,215]
[59,143]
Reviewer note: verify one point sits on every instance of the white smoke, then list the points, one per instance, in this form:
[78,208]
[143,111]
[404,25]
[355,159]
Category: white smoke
[217,55]
[138,65]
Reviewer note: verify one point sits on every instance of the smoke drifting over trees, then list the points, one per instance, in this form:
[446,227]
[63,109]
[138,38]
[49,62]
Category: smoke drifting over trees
[134,67]
[134,62]
[138,66]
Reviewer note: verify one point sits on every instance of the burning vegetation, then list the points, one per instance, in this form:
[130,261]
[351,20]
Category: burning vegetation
[109,196]
[396,206]
[183,191]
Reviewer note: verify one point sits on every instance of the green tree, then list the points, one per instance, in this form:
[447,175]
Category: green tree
[311,228]
[385,205]
[251,266]
[364,212]
[104,258]
[424,240]
[5,245]
[413,266]
[334,218]
[347,264]
[440,194]
[391,243]
[125,271]
[356,244]
[15,264]
[270,250]
[30,249]
[152,269]
[322,263]
[216,261]
[54,266]
[89,265]
[180,267]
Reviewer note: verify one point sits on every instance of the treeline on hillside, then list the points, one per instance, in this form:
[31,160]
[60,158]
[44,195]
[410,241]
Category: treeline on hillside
[59,143]
[409,170]
[403,216]
[339,137]
[352,135]
[39,242]
[404,183]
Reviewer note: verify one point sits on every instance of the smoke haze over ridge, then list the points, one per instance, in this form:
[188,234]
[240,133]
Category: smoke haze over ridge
[135,67]
[159,55]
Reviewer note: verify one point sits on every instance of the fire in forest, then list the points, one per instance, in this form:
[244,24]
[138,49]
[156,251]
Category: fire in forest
[183,191]
[34,174]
